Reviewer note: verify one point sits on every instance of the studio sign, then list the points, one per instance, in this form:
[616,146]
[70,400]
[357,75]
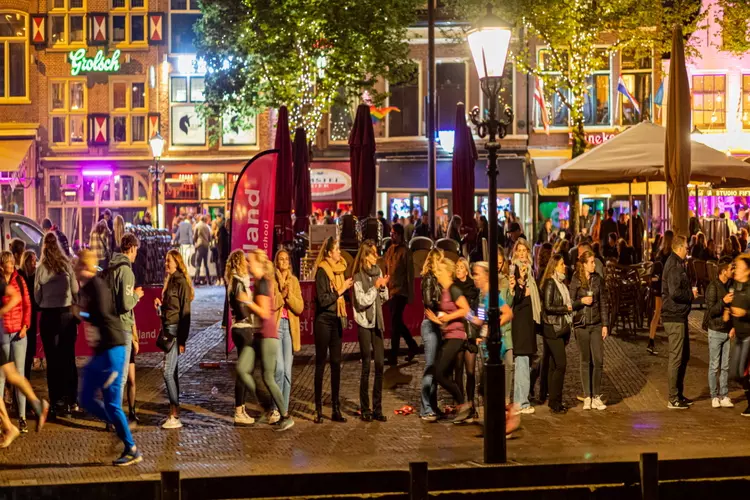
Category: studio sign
[327,182]
[81,63]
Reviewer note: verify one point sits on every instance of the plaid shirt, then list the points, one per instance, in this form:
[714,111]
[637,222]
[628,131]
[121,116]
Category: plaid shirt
[98,245]
[19,316]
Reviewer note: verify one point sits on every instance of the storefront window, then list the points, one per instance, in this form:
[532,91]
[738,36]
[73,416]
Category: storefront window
[88,216]
[127,183]
[709,102]
[746,102]
[212,187]
[89,189]
[232,182]
[55,188]
[181,187]
[12,199]
[55,215]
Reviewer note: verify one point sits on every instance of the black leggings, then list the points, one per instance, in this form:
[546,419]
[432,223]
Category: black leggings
[327,331]
[59,330]
[738,363]
[467,359]
[557,364]
[371,345]
[444,363]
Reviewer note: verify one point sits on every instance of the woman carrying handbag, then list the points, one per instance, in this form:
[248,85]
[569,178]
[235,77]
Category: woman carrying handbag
[557,317]
[174,308]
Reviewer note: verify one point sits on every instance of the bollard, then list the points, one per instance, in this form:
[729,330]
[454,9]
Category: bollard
[418,481]
[649,467]
[170,485]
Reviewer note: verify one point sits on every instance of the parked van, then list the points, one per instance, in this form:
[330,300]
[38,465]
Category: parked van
[23,228]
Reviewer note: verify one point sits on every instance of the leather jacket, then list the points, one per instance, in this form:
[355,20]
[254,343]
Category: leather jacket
[554,310]
[713,318]
[598,312]
[431,292]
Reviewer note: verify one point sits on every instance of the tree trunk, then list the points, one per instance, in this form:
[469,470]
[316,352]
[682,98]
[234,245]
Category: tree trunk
[579,147]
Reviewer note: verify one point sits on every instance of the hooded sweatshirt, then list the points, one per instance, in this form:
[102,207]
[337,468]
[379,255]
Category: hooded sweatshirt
[125,297]
[53,290]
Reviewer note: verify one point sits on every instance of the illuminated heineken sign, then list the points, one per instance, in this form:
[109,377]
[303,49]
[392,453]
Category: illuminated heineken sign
[81,63]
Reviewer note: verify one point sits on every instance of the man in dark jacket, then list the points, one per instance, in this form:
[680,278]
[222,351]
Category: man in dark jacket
[609,225]
[719,295]
[47,226]
[423,226]
[677,298]
[400,269]
[638,229]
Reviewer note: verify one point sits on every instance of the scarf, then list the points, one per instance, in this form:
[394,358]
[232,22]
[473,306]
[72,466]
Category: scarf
[335,275]
[536,302]
[367,279]
[558,278]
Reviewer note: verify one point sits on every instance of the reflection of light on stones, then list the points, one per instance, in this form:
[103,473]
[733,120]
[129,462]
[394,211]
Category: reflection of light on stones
[588,456]
[299,458]
[645,426]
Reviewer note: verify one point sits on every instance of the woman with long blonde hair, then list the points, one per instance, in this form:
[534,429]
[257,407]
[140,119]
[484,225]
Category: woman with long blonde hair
[370,293]
[431,335]
[177,295]
[238,293]
[118,228]
[592,325]
[288,305]
[55,287]
[467,356]
[330,316]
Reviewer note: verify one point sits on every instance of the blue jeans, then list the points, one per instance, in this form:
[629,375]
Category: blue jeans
[718,351]
[283,374]
[15,351]
[431,337]
[170,369]
[522,384]
[128,347]
[103,373]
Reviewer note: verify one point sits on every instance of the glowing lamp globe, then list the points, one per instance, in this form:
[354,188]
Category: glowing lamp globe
[157,145]
[489,44]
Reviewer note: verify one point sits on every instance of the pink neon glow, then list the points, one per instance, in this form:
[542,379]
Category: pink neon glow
[97,173]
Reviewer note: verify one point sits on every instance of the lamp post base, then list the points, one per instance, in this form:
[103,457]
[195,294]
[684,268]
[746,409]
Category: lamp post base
[494,414]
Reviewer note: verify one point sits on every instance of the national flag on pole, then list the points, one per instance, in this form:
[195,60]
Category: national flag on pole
[659,97]
[621,88]
[539,97]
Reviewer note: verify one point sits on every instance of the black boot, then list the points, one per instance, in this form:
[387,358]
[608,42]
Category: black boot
[336,415]
[318,412]
[746,413]
[132,416]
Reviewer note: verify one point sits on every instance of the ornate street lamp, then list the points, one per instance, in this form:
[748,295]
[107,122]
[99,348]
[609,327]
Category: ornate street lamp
[157,148]
[489,44]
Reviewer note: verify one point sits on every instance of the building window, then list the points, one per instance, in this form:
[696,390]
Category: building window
[341,118]
[67,24]
[745,102]
[596,108]
[14,57]
[558,112]
[406,97]
[129,105]
[183,14]
[505,97]
[451,89]
[233,133]
[637,73]
[186,127]
[68,112]
[709,102]
[128,22]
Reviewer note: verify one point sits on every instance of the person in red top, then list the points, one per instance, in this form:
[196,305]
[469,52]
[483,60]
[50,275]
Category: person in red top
[15,325]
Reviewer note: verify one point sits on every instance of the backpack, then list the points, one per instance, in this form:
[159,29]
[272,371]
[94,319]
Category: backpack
[108,275]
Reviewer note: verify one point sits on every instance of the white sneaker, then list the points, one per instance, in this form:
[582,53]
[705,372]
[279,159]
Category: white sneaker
[529,410]
[726,402]
[242,418]
[172,423]
[715,403]
[597,404]
[274,417]
[586,403]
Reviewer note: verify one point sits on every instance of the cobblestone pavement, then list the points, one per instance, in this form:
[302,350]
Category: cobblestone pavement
[637,420]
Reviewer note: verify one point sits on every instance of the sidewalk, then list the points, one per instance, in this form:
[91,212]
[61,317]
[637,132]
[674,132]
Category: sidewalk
[637,420]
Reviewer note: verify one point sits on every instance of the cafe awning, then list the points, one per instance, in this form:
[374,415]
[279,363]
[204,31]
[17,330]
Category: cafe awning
[14,154]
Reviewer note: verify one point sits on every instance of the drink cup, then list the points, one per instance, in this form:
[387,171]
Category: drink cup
[695,290]
[512,269]
[589,294]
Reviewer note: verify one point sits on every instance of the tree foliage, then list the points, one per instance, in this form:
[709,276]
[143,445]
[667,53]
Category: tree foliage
[733,16]
[580,35]
[300,53]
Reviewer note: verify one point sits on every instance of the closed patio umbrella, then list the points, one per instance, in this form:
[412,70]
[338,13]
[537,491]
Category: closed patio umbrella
[677,145]
[464,159]
[302,187]
[284,178]
[362,161]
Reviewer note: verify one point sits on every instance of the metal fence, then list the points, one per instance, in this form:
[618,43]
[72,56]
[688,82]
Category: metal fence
[647,479]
